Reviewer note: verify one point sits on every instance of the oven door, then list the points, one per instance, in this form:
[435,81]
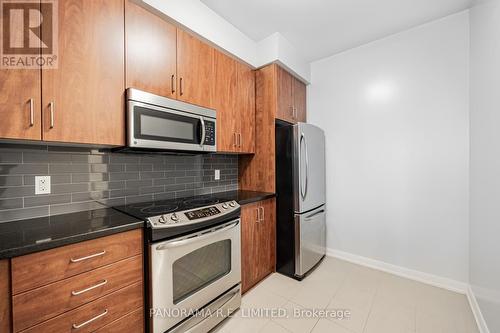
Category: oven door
[156,127]
[189,272]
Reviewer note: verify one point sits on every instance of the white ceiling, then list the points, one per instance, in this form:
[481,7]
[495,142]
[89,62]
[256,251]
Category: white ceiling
[320,28]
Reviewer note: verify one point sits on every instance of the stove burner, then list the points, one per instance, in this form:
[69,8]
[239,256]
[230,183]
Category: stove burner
[159,209]
[196,202]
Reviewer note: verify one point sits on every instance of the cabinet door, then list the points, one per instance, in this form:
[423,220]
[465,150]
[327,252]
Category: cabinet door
[225,103]
[5,300]
[82,100]
[20,104]
[285,95]
[299,100]
[267,238]
[245,108]
[249,245]
[151,46]
[195,70]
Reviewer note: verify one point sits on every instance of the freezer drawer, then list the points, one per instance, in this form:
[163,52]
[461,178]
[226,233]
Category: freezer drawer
[310,242]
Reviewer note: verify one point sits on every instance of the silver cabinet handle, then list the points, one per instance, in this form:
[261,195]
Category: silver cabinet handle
[258,214]
[235,139]
[239,140]
[203,132]
[262,215]
[52,106]
[172,83]
[103,252]
[303,192]
[181,90]
[32,112]
[85,323]
[79,292]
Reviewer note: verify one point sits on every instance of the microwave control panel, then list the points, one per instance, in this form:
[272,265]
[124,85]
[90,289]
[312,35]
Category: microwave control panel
[209,133]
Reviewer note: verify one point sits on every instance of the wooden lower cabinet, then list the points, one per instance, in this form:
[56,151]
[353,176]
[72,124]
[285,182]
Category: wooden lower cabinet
[5,299]
[132,322]
[95,315]
[83,287]
[258,242]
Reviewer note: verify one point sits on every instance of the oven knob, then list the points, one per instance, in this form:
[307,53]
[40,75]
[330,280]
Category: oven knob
[161,219]
[174,217]
[225,206]
[232,204]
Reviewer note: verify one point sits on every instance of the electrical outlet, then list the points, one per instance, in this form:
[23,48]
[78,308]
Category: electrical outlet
[42,184]
[217,174]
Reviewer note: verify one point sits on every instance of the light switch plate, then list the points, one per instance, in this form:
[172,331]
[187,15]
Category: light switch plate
[217,174]
[42,185]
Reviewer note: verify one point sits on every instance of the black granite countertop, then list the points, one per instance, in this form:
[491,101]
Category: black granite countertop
[245,197]
[32,235]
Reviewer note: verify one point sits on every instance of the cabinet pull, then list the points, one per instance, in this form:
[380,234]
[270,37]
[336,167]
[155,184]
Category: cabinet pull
[181,88]
[79,292]
[263,213]
[85,323]
[235,139]
[88,257]
[172,83]
[32,112]
[257,214]
[52,106]
[239,140]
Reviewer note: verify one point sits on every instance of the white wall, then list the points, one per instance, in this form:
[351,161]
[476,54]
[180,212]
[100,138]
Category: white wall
[485,160]
[199,18]
[395,113]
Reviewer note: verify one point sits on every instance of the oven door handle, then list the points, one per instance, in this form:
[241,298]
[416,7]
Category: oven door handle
[196,237]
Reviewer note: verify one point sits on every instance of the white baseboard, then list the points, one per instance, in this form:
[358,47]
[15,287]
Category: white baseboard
[433,280]
[481,323]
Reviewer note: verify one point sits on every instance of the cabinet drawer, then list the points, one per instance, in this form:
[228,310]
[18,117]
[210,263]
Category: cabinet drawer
[132,323]
[56,298]
[38,269]
[96,314]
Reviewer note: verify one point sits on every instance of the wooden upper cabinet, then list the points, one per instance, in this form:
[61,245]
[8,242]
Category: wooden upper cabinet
[225,98]
[285,101]
[151,48]
[299,101]
[245,106]
[291,97]
[83,99]
[195,70]
[20,99]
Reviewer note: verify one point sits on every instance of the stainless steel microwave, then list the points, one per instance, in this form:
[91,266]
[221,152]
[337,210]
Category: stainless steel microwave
[158,123]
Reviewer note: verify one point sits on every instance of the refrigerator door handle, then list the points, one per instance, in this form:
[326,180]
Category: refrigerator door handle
[314,214]
[303,192]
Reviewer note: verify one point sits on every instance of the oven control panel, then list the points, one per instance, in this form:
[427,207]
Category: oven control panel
[201,213]
[196,215]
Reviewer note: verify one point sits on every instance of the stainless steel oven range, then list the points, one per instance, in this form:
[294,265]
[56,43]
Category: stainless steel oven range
[194,262]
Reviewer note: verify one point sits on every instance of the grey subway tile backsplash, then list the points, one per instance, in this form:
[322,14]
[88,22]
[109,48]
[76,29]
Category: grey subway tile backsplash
[83,178]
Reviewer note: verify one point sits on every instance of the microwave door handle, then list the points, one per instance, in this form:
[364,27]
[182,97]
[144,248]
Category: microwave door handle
[196,238]
[203,131]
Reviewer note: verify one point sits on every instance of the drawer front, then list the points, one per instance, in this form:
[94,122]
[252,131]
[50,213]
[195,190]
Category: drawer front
[131,323]
[41,268]
[96,314]
[56,298]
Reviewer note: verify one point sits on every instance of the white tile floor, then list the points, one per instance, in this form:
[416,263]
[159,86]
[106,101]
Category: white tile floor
[378,303]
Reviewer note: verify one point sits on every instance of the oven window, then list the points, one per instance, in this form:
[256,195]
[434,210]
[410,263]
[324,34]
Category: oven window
[154,126]
[150,124]
[199,268]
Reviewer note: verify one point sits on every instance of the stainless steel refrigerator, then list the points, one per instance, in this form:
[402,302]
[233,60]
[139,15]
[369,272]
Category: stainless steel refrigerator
[300,198]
